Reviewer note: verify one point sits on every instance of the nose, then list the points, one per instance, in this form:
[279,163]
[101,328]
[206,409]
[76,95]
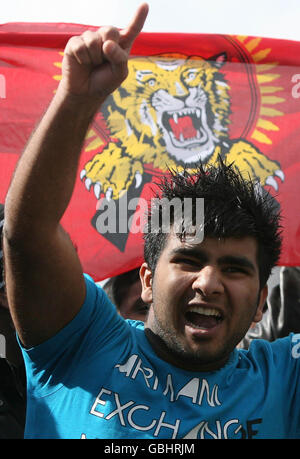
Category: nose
[208,281]
[180,90]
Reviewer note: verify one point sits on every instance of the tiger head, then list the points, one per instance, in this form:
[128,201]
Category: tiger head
[173,103]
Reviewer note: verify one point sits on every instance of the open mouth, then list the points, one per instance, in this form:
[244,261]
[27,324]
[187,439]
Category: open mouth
[203,318]
[184,126]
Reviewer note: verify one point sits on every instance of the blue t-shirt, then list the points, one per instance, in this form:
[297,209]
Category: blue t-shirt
[100,378]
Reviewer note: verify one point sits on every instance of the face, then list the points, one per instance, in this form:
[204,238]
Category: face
[203,299]
[132,306]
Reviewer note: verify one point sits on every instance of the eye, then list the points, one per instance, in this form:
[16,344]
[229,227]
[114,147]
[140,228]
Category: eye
[191,76]
[151,82]
[235,270]
[187,262]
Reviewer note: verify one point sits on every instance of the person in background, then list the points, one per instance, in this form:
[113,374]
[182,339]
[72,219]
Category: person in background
[124,291]
[12,370]
[282,310]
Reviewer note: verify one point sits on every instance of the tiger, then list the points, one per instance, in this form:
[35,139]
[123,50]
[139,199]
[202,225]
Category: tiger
[172,111]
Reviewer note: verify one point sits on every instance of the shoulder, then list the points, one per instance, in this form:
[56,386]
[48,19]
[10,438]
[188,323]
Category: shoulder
[282,353]
[91,321]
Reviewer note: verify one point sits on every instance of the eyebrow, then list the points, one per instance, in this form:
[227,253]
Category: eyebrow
[224,260]
[192,252]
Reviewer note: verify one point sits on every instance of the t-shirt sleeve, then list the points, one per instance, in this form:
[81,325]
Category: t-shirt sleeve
[50,364]
[279,364]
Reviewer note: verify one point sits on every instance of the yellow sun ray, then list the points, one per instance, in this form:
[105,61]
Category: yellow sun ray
[266,125]
[265,67]
[252,44]
[93,141]
[271,100]
[267,78]
[260,137]
[268,91]
[96,143]
[260,55]
[242,38]
[90,133]
[268,111]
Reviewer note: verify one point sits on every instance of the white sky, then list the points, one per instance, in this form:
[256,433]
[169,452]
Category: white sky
[266,18]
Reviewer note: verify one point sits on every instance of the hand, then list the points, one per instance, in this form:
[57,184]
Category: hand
[95,63]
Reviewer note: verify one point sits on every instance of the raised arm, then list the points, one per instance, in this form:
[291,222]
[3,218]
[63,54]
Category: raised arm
[44,281]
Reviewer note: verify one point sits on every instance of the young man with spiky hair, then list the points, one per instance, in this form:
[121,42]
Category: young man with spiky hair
[90,373]
[204,284]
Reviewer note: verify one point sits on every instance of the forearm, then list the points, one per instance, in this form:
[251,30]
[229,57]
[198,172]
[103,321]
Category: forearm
[44,281]
[45,176]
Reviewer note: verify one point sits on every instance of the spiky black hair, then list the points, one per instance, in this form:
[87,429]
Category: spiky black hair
[233,207]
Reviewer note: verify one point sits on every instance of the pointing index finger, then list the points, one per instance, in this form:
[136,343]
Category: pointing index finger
[129,34]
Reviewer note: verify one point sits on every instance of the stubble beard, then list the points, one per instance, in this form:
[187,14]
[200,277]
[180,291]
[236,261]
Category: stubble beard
[177,348]
[179,354]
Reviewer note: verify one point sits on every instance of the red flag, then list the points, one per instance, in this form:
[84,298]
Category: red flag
[187,96]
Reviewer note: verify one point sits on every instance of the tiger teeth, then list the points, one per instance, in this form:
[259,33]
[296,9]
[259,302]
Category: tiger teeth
[185,111]
[205,311]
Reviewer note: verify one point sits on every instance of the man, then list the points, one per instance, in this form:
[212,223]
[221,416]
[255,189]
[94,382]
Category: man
[12,371]
[91,374]
[124,291]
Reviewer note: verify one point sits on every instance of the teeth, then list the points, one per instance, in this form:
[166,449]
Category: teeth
[205,311]
[185,111]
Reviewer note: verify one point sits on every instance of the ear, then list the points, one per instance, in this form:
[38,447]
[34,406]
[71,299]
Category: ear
[218,60]
[262,300]
[146,280]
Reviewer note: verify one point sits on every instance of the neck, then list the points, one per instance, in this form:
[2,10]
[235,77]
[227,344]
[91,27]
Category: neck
[180,360]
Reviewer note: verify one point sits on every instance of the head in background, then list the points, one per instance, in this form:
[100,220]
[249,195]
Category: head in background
[124,291]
